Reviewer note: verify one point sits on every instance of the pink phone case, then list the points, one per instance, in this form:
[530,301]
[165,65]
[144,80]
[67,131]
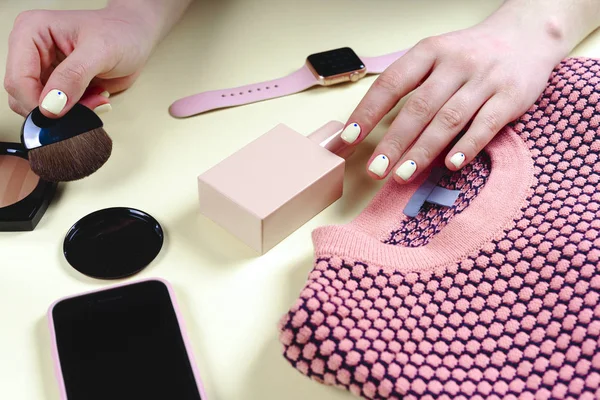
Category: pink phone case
[186,340]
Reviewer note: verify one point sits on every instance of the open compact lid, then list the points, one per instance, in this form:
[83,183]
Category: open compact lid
[113,243]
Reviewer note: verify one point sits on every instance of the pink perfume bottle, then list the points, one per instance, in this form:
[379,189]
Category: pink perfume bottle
[275,184]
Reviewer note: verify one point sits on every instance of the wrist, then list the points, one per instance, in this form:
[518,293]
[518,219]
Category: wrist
[537,31]
[554,26]
[155,17]
[139,17]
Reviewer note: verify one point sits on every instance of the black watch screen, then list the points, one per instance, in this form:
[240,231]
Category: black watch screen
[335,62]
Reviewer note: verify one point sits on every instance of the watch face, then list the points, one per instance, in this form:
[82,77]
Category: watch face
[335,62]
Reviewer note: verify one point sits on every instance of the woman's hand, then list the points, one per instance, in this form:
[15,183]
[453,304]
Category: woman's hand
[56,56]
[485,76]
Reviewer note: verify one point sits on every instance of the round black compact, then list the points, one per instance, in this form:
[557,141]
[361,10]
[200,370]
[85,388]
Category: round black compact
[113,243]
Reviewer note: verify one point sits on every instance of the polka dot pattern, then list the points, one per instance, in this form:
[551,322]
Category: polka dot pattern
[519,318]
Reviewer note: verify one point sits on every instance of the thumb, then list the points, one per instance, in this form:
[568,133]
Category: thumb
[69,80]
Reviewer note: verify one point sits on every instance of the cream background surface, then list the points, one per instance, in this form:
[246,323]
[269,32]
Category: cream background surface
[231,299]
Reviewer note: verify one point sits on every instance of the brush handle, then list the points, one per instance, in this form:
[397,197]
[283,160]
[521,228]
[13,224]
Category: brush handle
[39,130]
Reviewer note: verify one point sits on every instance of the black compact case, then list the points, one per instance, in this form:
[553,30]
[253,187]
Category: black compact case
[25,214]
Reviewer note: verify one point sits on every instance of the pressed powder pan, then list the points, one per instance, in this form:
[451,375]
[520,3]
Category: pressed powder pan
[24,197]
[113,243]
[17,180]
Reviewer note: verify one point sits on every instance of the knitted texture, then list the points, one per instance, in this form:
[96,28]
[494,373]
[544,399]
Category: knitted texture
[432,218]
[498,297]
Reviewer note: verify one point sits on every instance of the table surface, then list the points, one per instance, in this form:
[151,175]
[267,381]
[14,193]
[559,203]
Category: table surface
[231,298]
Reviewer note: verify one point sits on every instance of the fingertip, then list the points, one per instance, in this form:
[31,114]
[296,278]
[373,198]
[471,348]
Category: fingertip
[378,166]
[405,172]
[50,115]
[450,166]
[96,102]
[54,103]
[455,160]
[351,133]
[399,180]
[102,109]
[375,176]
[93,101]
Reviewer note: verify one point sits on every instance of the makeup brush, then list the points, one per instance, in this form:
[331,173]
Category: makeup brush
[68,148]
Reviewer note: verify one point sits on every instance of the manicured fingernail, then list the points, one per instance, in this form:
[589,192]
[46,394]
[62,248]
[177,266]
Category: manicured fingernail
[103,108]
[351,133]
[457,159]
[54,101]
[105,94]
[379,165]
[406,170]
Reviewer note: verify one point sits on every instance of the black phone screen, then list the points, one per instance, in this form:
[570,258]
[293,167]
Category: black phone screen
[123,343]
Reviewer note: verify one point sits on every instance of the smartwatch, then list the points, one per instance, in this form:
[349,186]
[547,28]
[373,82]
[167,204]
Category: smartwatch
[325,69]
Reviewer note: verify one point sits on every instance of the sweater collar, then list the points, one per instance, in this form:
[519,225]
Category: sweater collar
[487,217]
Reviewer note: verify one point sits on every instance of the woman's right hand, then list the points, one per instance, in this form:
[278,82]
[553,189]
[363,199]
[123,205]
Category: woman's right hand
[54,56]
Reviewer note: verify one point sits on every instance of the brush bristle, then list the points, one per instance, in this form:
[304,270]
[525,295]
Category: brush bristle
[72,159]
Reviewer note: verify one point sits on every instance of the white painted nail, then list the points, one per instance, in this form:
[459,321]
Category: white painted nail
[457,159]
[103,108]
[54,101]
[379,165]
[351,133]
[407,169]
[105,94]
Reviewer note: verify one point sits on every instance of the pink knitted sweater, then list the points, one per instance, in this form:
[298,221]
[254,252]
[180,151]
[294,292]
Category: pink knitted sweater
[494,297]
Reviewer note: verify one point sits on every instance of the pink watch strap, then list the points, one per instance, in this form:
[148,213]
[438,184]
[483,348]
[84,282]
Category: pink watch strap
[295,82]
[376,65]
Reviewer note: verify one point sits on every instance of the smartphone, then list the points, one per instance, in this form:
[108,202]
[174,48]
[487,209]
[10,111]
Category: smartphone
[123,342]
